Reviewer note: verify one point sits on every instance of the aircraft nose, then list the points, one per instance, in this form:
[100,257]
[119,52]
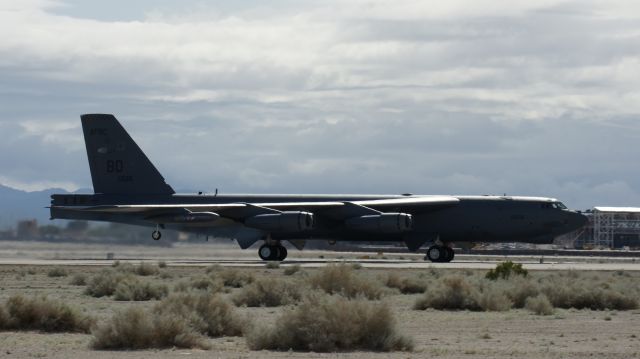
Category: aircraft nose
[575,220]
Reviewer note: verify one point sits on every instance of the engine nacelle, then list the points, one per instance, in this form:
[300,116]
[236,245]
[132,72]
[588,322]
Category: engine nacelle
[282,222]
[191,217]
[384,222]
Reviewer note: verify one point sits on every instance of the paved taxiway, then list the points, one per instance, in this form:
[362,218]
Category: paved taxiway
[367,263]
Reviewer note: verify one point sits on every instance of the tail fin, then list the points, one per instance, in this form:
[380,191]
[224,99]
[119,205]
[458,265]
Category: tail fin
[117,164]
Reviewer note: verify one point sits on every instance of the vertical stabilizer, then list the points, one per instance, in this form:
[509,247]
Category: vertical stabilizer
[117,164]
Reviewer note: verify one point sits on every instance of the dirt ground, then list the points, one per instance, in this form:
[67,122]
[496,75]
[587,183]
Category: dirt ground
[569,333]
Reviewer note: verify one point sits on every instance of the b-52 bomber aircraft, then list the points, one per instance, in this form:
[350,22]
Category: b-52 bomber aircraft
[129,189]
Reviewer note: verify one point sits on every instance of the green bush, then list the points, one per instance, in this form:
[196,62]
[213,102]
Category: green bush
[323,323]
[504,270]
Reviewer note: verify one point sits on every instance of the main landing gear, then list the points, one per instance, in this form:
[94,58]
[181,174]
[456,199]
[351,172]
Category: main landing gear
[156,235]
[269,252]
[440,254]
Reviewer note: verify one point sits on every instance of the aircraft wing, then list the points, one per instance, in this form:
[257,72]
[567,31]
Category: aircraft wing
[241,210]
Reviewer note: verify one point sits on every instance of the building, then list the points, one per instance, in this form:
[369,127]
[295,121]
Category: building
[610,227]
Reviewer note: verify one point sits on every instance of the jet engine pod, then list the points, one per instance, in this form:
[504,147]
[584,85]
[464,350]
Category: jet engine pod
[190,217]
[291,221]
[384,222]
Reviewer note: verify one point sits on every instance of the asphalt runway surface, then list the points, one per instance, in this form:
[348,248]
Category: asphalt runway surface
[530,264]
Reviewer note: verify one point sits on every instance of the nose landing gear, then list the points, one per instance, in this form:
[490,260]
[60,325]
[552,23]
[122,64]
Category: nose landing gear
[440,254]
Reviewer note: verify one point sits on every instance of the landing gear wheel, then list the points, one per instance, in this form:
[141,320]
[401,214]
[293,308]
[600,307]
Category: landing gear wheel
[452,254]
[282,253]
[272,253]
[156,235]
[266,252]
[435,253]
[440,254]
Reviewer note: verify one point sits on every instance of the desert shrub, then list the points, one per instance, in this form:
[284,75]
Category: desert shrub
[115,264]
[340,279]
[356,266]
[135,289]
[272,265]
[520,289]
[40,313]
[504,270]
[207,314]
[136,328]
[162,264]
[451,293]
[539,305]
[207,283]
[567,292]
[324,323]
[234,278]
[405,285]
[78,279]
[145,269]
[493,299]
[269,292]
[104,283]
[291,270]
[4,318]
[57,272]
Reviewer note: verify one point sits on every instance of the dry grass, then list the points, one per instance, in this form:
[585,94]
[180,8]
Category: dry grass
[78,279]
[40,313]
[231,277]
[207,314]
[451,293]
[405,285]
[272,265]
[569,289]
[291,270]
[104,283]
[324,323]
[136,328]
[269,292]
[205,283]
[57,272]
[539,305]
[132,288]
[340,279]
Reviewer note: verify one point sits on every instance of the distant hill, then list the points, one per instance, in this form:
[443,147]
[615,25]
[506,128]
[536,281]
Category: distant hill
[16,205]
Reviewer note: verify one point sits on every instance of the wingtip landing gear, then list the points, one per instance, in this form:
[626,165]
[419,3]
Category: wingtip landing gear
[156,235]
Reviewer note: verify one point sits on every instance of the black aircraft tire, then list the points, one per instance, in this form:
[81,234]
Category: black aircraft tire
[156,235]
[435,253]
[282,251]
[275,253]
[265,252]
[449,254]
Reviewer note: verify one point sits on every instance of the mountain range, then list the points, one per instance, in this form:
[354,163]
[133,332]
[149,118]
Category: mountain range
[17,205]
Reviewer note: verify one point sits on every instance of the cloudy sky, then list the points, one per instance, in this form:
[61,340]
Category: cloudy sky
[375,96]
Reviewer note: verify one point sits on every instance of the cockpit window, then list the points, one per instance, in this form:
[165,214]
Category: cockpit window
[557,205]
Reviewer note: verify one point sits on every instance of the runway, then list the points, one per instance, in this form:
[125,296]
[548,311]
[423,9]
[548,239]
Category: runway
[314,263]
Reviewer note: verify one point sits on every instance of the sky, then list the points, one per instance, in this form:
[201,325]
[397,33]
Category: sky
[364,96]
